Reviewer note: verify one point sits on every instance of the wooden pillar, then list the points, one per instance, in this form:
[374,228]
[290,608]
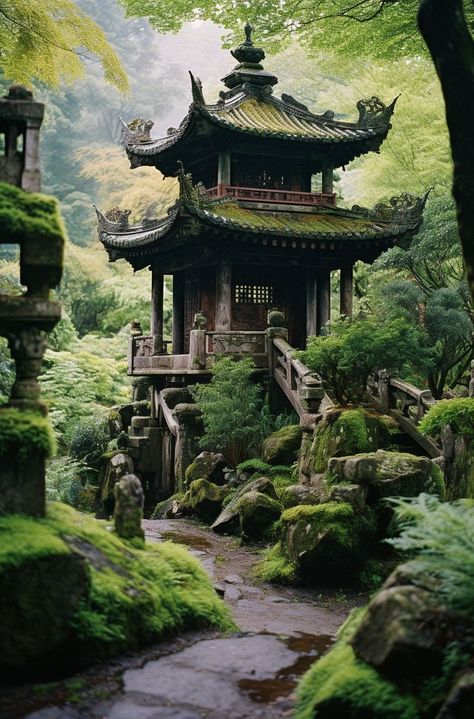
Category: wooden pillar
[223,296]
[328,183]
[223,168]
[311,319]
[346,290]
[323,300]
[157,310]
[178,313]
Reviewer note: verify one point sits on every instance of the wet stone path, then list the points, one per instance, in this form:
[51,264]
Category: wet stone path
[251,674]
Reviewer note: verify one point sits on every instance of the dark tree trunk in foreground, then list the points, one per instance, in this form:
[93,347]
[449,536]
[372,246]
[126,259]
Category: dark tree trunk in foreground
[443,26]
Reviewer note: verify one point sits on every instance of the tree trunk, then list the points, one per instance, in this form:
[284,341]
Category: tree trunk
[443,26]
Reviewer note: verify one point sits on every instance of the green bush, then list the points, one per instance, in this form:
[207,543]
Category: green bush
[89,440]
[458,413]
[354,349]
[64,480]
[231,407]
[440,538]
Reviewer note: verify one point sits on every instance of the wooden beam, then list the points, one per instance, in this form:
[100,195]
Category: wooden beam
[323,300]
[346,290]
[223,296]
[311,318]
[157,310]
[178,312]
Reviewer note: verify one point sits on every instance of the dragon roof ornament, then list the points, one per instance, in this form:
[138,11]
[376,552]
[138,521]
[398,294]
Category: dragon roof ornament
[136,132]
[405,208]
[374,112]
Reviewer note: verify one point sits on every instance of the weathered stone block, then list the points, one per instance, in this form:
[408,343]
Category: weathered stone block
[128,512]
[207,465]
[282,447]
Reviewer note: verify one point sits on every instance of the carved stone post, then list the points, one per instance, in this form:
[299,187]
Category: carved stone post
[197,343]
[346,290]
[223,296]
[323,301]
[187,441]
[157,311]
[27,348]
[386,399]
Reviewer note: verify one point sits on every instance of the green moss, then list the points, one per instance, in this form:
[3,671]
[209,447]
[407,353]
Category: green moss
[346,432]
[28,216]
[254,465]
[257,512]
[338,684]
[131,598]
[205,499]
[458,413]
[275,567]
[26,432]
[282,447]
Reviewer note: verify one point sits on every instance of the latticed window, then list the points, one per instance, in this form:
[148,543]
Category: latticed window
[253,294]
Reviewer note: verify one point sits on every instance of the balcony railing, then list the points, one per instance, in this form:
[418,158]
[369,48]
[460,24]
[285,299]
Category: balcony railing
[280,197]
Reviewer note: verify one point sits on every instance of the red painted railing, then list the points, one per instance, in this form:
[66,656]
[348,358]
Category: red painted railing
[282,197]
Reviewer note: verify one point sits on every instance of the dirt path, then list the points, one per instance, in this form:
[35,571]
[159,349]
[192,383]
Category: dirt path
[251,674]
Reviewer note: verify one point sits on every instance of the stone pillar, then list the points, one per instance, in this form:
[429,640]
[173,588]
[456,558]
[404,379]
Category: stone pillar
[187,441]
[346,290]
[128,512]
[157,311]
[178,313]
[311,318]
[327,180]
[223,168]
[31,179]
[197,349]
[27,347]
[323,301]
[223,296]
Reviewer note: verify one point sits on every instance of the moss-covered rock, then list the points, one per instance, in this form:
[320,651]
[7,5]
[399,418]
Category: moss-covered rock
[282,446]
[73,594]
[388,474]
[257,512]
[276,567]
[296,494]
[340,686]
[229,519]
[205,499]
[343,432]
[28,433]
[325,538]
[207,465]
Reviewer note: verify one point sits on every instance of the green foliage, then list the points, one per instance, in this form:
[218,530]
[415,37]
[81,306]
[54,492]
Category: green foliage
[230,404]
[64,480]
[275,566]
[7,372]
[48,41]
[458,413]
[135,597]
[354,349]
[27,432]
[440,538]
[63,335]
[339,682]
[89,439]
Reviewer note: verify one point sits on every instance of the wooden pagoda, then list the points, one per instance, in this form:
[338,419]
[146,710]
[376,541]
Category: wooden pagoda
[257,224]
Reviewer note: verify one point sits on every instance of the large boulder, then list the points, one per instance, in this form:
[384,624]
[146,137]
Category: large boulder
[388,474]
[207,465]
[257,512]
[282,446]
[228,520]
[205,499]
[299,494]
[323,539]
[396,634]
[344,431]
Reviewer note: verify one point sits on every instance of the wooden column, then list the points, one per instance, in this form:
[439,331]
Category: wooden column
[157,310]
[223,168]
[311,318]
[323,300]
[178,313]
[327,183]
[346,290]
[223,296]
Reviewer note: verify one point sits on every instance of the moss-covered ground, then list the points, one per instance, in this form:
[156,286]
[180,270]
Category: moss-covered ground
[123,597]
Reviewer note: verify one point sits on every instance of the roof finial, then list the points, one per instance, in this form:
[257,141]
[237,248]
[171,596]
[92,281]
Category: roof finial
[248,33]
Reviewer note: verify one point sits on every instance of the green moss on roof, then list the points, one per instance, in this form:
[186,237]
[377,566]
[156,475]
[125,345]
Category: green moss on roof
[28,216]
[322,222]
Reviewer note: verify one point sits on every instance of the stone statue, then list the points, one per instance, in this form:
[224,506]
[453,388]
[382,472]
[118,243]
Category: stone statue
[200,321]
[128,513]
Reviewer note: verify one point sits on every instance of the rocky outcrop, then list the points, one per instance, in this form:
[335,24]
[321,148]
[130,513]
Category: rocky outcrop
[229,519]
[282,447]
[299,494]
[257,512]
[204,498]
[207,465]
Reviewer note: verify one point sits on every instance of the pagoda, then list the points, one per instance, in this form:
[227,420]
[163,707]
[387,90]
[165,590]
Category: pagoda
[257,225]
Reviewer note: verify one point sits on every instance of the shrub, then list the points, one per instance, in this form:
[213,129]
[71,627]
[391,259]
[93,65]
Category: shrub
[440,537]
[231,407]
[63,480]
[458,413]
[354,349]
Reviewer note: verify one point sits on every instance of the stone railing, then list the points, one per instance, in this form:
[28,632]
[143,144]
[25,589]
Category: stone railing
[302,387]
[203,348]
